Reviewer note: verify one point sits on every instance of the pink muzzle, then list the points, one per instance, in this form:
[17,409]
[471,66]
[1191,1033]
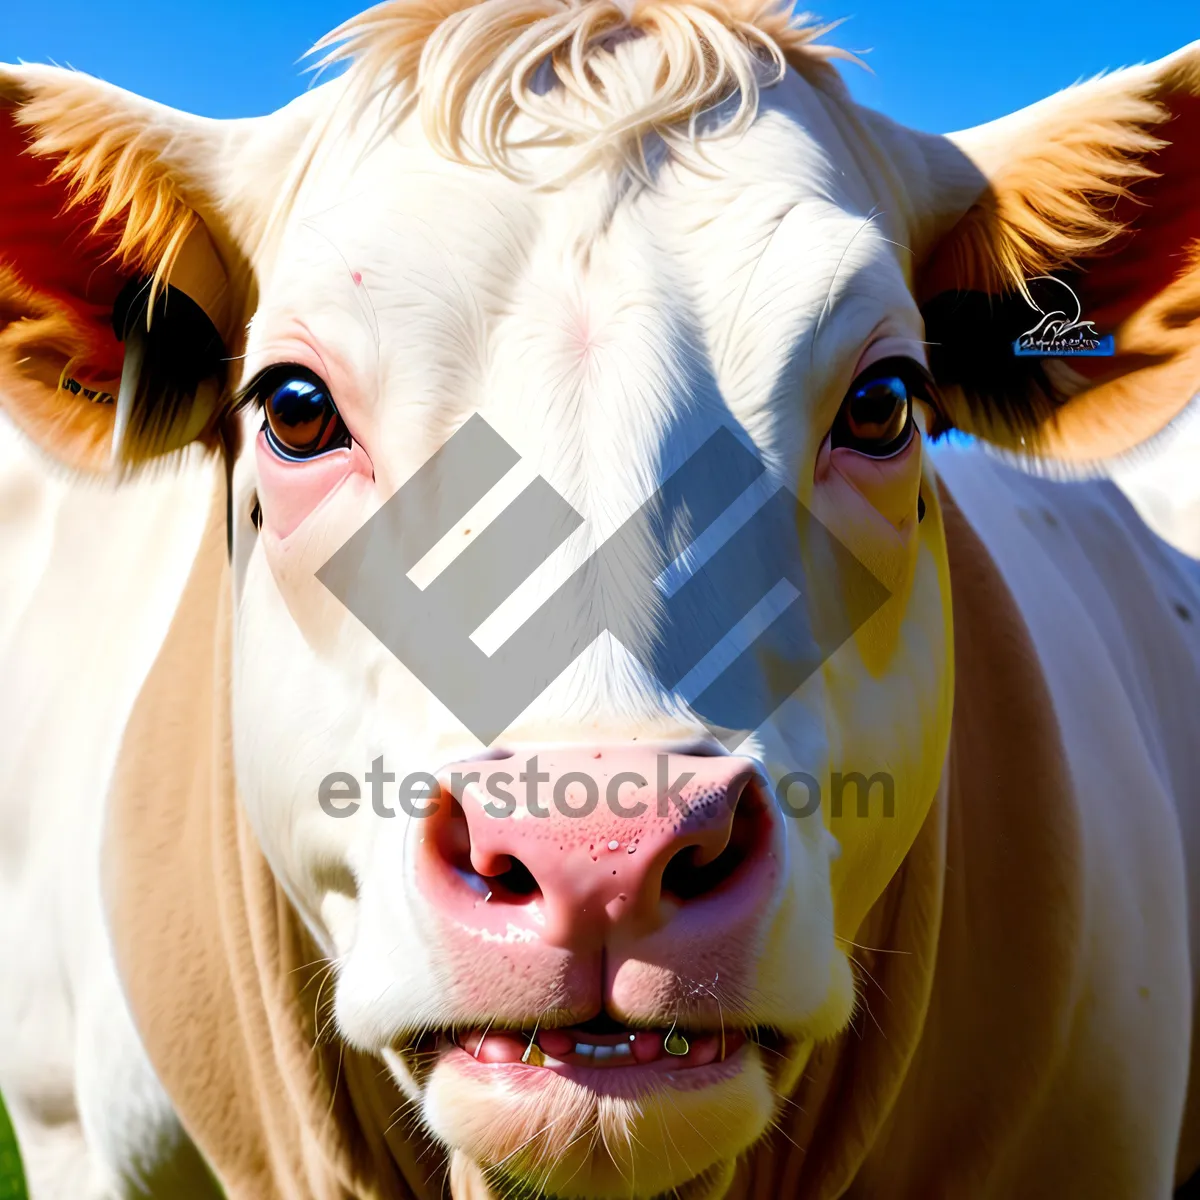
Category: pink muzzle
[583,864]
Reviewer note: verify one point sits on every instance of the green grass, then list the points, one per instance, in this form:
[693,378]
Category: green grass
[12,1178]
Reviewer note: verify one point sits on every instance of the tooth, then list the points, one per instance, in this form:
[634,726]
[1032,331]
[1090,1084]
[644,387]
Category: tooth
[585,1049]
[603,1053]
[621,1050]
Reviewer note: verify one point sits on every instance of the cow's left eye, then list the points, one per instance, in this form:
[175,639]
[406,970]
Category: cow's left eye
[876,417]
[300,417]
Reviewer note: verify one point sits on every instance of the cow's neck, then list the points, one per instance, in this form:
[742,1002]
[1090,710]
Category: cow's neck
[966,964]
[224,984]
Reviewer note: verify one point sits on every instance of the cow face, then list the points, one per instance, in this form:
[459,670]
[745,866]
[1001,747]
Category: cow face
[594,937]
[605,331]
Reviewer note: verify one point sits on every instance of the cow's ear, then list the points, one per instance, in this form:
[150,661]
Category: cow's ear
[127,231]
[1092,194]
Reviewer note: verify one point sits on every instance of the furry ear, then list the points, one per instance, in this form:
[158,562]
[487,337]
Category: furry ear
[1098,189]
[127,231]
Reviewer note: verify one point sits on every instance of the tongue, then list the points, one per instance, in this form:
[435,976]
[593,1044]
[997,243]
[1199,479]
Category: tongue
[495,1047]
[556,1043]
[647,1047]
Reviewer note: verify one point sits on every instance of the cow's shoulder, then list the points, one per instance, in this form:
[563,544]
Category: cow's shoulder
[89,578]
[1111,608]
[1111,613]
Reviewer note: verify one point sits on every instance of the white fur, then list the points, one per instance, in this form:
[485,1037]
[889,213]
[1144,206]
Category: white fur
[93,577]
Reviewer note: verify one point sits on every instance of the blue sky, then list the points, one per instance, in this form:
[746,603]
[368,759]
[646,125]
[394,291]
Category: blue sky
[937,64]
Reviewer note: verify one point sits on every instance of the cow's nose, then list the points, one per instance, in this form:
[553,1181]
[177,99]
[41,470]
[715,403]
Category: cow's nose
[572,846]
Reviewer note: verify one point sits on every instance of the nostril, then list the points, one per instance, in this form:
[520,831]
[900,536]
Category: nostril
[689,877]
[684,879]
[504,879]
[517,882]
[491,859]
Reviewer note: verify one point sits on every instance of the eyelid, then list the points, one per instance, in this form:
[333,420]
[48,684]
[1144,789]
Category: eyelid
[255,390]
[911,371]
[892,347]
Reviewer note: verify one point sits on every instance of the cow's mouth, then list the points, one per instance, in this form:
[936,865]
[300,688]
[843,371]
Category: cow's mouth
[579,1046]
[564,1107]
[601,1043]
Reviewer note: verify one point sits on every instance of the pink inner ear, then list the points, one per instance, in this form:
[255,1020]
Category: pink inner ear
[1164,221]
[54,253]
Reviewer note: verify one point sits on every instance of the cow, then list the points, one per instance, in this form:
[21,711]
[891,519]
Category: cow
[925,924]
[1164,489]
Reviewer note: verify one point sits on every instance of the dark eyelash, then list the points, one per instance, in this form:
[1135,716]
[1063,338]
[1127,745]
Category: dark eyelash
[921,384]
[268,379]
[909,369]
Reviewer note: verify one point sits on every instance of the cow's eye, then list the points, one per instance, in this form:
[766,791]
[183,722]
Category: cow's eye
[301,418]
[876,417]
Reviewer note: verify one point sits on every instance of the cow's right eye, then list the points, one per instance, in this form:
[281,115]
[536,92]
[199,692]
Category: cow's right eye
[300,417]
[876,417]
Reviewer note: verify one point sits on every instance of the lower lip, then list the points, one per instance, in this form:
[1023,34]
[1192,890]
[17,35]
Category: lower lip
[628,1081]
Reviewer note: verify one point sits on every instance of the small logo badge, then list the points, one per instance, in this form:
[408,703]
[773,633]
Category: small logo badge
[1059,331]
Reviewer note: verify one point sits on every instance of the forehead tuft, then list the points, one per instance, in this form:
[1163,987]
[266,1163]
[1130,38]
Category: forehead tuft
[597,79]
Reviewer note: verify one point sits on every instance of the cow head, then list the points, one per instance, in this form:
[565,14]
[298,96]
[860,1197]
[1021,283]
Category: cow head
[598,952]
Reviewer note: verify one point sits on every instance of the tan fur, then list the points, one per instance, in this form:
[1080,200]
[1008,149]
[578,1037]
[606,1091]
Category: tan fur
[39,339]
[1009,958]
[1050,196]
[224,984]
[950,947]
[140,183]
[1073,185]
[114,159]
[1161,341]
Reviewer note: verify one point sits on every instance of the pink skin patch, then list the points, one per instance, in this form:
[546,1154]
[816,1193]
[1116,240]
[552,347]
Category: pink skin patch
[594,834]
[595,926]
[289,492]
[357,277]
[890,485]
[583,337]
